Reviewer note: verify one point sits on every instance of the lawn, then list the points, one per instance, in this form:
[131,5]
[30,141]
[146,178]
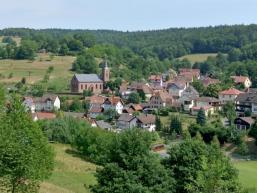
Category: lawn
[197,57]
[35,70]
[72,174]
[15,38]
[186,119]
[247,173]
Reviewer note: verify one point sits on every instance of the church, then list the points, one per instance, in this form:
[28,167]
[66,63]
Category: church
[91,82]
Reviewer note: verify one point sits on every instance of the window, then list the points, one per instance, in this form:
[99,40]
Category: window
[85,86]
[96,86]
[81,86]
[100,86]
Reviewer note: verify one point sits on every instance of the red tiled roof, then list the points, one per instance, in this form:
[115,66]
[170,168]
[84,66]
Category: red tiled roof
[97,99]
[44,115]
[231,91]
[239,79]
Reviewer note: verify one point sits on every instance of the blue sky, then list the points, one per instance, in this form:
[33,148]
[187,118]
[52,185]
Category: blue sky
[125,14]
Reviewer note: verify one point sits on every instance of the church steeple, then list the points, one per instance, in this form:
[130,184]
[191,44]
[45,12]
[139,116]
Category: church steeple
[106,72]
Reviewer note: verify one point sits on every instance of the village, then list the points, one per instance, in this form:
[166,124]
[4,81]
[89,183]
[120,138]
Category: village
[171,91]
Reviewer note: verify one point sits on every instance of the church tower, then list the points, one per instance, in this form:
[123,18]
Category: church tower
[106,72]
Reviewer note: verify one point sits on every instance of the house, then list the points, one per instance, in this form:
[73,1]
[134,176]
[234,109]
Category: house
[188,72]
[208,101]
[86,82]
[42,116]
[147,122]
[114,103]
[104,125]
[48,103]
[176,88]
[139,87]
[161,99]
[156,80]
[188,97]
[244,122]
[246,102]
[95,112]
[126,121]
[208,81]
[90,82]
[242,80]
[208,110]
[229,95]
[96,100]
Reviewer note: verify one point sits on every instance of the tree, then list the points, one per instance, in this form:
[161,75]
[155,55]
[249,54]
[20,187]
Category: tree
[27,50]
[198,86]
[85,63]
[158,124]
[25,156]
[132,167]
[229,112]
[201,117]
[64,50]
[212,90]
[253,131]
[134,98]
[175,125]
[198,167]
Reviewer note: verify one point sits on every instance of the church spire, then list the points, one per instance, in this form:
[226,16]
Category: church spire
[106,71]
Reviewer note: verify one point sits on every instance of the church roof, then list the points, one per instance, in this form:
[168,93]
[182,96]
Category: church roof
[88,78]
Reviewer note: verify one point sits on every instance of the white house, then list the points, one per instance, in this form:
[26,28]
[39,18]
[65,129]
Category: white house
[147,122]
[126,121]
[229,95]
[47,103]
[242,80]
[176,88]
[114,103]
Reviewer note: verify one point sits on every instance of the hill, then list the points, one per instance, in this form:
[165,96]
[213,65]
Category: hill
[72,174]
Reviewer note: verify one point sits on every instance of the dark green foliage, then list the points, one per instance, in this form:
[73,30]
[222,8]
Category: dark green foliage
[134,98]
[85,63]
[132,167]
[26,159]
[62,130]
[230,112]
[76,106]
[27,50]
[212,90]
[158,124]
[175,125]
[201,117]
[87,93]
[253,131]
[201,168]
[198,85]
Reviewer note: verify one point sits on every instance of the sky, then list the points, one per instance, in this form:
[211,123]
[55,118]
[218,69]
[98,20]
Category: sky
[125,15]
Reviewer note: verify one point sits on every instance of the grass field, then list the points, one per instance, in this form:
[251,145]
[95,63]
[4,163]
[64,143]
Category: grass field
[247,173]
[186,119]
[34,71]
[197,57]
[71,174]
[15,38]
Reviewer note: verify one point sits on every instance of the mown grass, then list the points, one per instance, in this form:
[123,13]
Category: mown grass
[186,119]
[72,174]
[197,57]
[34,71]
[15,38]
[247,173]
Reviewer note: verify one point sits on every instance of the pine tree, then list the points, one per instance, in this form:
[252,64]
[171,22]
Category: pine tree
[201,118]
[175,125]
[158,124]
